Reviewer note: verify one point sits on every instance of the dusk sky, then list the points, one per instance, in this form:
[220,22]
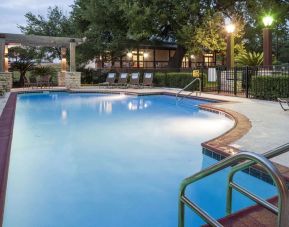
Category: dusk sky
[12,11]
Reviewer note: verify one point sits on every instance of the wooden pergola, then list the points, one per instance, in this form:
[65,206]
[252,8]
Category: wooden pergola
[7,39]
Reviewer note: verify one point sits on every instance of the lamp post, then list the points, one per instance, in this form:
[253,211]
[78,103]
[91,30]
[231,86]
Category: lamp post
[230,46]
[267,41]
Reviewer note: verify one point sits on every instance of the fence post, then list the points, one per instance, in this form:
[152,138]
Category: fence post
[218,79]
[202,79]
[247,82]
[235,80]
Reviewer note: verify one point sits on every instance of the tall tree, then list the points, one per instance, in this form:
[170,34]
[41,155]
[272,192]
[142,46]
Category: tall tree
[113,25]
[56,23]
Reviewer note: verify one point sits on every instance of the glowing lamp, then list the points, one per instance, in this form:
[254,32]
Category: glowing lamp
[129,54]
[230,28]
[267,21]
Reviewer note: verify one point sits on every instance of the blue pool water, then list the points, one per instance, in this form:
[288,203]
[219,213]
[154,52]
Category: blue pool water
[112,161]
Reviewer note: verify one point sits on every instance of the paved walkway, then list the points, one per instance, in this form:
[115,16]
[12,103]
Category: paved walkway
[3,101]
[270,124]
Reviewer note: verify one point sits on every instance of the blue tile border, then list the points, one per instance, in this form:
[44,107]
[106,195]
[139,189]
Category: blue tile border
[251,170]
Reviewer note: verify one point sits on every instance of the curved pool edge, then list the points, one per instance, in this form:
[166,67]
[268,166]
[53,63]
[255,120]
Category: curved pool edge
[221,143]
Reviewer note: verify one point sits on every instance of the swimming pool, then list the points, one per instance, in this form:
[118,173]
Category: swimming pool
[113,160]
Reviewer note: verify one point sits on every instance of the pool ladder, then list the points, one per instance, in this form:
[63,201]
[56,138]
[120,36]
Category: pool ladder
[191,83]
[239,162]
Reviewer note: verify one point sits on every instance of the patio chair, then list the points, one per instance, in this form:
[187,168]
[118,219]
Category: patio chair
[45,81]
[148,79]
[283,102]
[122,80]
[134,79]
[30,82]
[110,79]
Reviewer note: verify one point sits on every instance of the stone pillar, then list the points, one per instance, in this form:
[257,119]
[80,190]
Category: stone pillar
[61,79]
[72,80]
[2,55]
[63,59]
[72,55]
[7,80]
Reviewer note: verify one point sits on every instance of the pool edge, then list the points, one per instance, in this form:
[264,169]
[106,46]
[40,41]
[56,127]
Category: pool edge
[6,134]
[220,144]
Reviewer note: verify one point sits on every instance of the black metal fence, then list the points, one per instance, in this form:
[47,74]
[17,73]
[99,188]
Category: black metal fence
[266,83]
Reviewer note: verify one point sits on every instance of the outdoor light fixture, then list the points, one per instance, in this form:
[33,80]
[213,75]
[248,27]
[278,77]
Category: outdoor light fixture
[267,41]
[129,54]
[268,20]
[230,28]
[145,55]
[193,56]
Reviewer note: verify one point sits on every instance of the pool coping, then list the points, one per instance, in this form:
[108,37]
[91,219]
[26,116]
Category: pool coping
[6,133]
[219,145]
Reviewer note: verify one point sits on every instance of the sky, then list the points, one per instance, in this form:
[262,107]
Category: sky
[12,11]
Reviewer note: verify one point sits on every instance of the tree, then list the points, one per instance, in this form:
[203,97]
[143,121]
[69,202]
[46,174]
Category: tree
[23,60]
[56,23]
[113,26]
[105,27]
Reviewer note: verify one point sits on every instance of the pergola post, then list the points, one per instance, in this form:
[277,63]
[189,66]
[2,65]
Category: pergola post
[4,65]
[2,55]
[72,55]
[63,59]
[6,59]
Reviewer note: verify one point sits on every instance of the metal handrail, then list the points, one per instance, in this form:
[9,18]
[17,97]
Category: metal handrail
[283,217]
[269,154]
[188,85]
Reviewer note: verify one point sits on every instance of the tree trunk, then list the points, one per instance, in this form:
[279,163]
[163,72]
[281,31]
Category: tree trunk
[21,79]
[175,62]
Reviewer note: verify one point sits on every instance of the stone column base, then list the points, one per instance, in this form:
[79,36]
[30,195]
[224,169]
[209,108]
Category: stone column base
[61,79]
[72,80]
[8,78]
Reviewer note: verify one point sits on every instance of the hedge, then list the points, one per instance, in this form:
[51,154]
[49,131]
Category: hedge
[269,87]
[91,76]
[174,79]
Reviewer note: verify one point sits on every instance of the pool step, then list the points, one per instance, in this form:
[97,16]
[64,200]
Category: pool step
[256,216]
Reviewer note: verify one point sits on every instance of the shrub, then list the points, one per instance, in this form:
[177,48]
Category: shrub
[92,76]
[174,79]
[270,87]
[250,59]
[40,71]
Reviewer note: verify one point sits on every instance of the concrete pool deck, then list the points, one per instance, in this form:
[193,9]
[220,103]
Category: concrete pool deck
[270,124]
